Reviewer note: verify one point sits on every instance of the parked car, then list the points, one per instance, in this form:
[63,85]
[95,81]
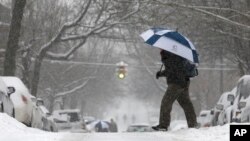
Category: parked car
[41,116]
[205,118]
[21,99]
[225,105]
[69,120]
[6,104]
[139,128]
[226,115]
[241,107]
[88,119]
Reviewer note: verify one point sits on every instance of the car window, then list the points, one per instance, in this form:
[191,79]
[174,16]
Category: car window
[73,117]
[230,97]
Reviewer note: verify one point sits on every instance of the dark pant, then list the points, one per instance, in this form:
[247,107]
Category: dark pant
[181,94]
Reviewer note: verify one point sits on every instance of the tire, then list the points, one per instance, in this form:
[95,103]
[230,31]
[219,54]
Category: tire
[51,129]
[1,108]
[231,117]
[13,113]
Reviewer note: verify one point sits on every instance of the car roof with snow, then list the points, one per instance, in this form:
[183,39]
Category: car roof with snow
[16,83]
[44,109]
[205,112]
[66,111]
[223,98]
[234,90]
[243,86]
[3,86]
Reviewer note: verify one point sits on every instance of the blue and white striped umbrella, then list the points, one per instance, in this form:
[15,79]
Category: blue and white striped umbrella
[171,41]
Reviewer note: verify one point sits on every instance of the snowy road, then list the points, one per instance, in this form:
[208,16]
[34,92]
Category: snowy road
[183,135]
[11,130]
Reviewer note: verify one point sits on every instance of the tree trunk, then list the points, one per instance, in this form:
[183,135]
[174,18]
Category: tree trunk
[36,75]
[14,34]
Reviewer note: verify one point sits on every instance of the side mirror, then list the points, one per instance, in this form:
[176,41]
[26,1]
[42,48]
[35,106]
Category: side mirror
[39,103]
[11,90]
[212,112]
[230,98]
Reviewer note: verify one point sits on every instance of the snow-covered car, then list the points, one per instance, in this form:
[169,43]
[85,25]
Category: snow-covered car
[69,120]
[88,119]
[241,107]
[139,128]
[224,105]
[41,116]
[21,99]
[205,118]
[218,112]
[6,104]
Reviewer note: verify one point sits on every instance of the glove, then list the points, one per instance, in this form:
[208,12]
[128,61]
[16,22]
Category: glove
[158,74]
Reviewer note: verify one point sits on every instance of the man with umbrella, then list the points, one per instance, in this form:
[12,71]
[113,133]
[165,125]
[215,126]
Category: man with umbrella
[175,50]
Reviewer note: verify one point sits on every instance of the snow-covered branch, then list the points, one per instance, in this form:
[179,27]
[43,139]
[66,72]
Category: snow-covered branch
[224,9]
[72,90]
[103,26]
[65,56]
[67,25]
[80,17]
[232,35]
[201,10]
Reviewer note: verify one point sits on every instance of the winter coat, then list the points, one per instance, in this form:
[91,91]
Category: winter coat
[174,68]
[113,127]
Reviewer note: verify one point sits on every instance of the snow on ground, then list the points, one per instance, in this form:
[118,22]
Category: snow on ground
[12,130]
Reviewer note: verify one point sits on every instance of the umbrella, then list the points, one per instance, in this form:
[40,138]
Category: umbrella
[171,41]
[101,126]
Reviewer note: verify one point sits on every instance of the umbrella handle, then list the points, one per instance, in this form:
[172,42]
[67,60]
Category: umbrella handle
[161,67]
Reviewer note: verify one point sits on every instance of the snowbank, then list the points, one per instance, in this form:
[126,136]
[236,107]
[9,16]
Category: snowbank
[10,125]
[12,130]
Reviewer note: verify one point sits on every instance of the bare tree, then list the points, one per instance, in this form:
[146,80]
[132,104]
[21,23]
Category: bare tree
[13,39]
[93,18]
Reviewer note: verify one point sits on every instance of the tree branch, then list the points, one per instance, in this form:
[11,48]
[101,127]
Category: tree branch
[66,55]
[223,9]
[72,90]
[207,13]
[232,35]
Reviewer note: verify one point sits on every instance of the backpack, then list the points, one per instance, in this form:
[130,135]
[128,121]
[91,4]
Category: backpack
[190,69]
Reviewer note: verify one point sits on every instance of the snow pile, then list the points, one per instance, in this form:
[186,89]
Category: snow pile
[12,130]
[217,133]
[10,125]
[177,125]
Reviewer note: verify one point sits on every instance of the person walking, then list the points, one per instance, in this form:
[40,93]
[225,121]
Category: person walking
[178,89]
[113,126]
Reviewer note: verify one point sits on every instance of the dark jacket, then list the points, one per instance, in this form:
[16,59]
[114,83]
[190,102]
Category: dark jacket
[174,68]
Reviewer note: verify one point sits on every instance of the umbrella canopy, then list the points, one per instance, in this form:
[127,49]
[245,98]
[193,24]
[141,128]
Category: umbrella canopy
[171,41]
[100,125]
